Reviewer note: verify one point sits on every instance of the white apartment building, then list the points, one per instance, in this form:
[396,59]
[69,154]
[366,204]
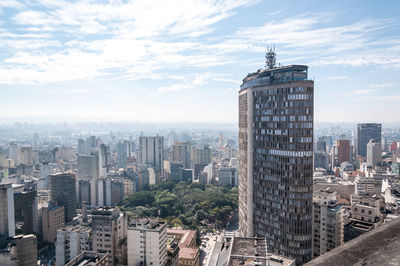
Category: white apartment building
[147,242]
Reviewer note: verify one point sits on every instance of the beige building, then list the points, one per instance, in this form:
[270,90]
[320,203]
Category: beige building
[52,220]
[109,227]
[368,209]
[189,253]
[172,251]
[147,242]
[327,222]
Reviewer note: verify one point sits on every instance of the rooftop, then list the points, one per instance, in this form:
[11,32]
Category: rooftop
[275,75]
[377,247]
[146,223]
[253,251]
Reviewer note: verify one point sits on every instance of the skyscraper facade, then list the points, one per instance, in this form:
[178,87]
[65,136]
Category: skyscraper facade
[62,192]
[366,132]
[151,151]
[343,148]
[276,158]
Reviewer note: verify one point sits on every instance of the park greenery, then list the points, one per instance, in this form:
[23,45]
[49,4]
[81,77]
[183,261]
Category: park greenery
[182,204]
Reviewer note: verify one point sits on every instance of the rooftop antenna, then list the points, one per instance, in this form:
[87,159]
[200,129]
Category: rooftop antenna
[270,57]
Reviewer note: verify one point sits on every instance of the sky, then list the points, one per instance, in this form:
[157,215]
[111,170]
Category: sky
[184,60]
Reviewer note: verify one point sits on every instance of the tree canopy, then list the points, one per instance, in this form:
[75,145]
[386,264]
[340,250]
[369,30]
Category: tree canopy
[183,204]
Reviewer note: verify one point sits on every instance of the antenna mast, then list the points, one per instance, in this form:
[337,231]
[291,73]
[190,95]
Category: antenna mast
[270,57]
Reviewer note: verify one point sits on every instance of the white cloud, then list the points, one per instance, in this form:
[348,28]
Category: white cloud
[11,3]
[365,91]
[80,91]
[382,85]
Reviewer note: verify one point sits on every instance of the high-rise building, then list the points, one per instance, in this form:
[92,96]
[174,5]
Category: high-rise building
[181,153]
[72,241]
[374,152]
[62,192]
[26,249]
[25,156]
[88,166]
[328,222]
[321,144]
[7,217]
[109,227]
[151,151]
[147,242]
[321,160]
[26,211]
[366,132]
[53,218]
[104,160]
[276,158]
[81,147]
[13,151]
[343,150]
[122,154]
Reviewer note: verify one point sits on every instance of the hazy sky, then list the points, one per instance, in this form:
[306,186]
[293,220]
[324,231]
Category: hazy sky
[184,60]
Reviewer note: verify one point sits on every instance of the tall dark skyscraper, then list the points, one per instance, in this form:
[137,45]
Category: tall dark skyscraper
[62,191]
[276,158]
[366,132]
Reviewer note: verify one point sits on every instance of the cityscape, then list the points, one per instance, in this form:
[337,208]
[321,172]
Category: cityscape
[193,133]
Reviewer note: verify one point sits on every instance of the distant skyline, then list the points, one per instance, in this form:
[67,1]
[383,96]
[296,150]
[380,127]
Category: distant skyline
[176,61]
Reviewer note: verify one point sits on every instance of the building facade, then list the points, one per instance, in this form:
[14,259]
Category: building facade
[327,222]
[366,132]
[276,158]
[109,227]
[62,192]
[147,242]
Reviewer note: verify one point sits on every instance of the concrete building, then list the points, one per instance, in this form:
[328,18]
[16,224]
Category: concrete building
[122,154]
[72,241]
[109,227]
[321,160]
[328,222]
[7,217]
[227,176]
[25,156]
[62,192]
[88,166]
[26,211]
[378,247]
[374,152]
[172,251]
[105,162]
[147,242]
[89,258]
[151,151]
[344,151]
[130,186]
[26,249]
[246,251]
[189,253]
[181,153]
[276,158]
[366,132]
[13,151]
[53,219]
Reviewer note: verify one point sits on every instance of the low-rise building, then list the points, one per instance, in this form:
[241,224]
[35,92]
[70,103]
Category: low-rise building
[189,253]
